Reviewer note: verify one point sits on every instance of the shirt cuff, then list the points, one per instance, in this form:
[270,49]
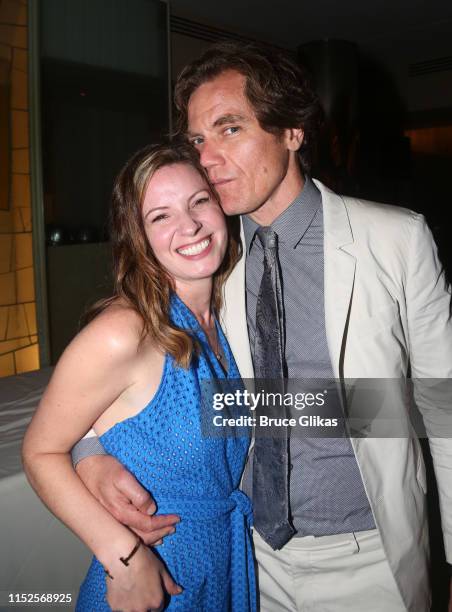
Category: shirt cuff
[87,447]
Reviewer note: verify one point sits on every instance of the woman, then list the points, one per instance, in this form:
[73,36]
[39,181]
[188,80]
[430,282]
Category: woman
[151,345]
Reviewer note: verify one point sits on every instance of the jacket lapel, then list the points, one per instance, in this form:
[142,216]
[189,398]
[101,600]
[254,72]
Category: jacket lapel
[339,274]
[233,316]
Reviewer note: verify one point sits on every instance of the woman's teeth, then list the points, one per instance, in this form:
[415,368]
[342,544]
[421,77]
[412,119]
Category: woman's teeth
[195,249]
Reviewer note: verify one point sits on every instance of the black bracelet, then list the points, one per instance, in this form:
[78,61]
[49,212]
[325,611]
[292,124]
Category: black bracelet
[125,560]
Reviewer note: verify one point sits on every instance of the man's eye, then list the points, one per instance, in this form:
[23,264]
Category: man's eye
[232,130]
[196,141]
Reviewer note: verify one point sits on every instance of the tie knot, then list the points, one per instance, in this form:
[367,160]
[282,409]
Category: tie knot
[268,238]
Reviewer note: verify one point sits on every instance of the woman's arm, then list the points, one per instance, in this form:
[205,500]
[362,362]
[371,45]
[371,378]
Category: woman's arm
[95,370]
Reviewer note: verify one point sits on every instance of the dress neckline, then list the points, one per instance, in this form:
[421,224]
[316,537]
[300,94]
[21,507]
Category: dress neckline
[195,326]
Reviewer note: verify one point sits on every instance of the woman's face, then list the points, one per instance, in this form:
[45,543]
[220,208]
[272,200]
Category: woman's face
[184,224]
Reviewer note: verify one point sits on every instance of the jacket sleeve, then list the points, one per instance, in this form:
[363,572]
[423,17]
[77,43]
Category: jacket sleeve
[428,299]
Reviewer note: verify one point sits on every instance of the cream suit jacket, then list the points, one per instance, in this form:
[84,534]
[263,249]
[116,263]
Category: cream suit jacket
[387,309]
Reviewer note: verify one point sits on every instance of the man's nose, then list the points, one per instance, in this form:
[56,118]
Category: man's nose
[210,155]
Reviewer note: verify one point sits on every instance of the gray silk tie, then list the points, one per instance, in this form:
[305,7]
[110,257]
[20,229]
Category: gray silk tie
[271,454]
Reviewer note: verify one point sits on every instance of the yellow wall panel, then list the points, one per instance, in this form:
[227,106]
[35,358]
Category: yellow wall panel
[7,289]
[18,328]
[20,190]
[7,367]
[20,161]
[23,251]
[6,264]
[19,129]
[27,359]
[30,314]
[17,323]
[25,285]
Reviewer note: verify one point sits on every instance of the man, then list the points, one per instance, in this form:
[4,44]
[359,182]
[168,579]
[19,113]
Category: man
[363,296]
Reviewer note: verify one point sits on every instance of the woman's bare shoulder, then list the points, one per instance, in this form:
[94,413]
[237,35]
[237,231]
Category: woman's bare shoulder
[116,331]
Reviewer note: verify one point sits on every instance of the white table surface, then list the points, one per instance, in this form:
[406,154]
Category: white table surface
[38,554]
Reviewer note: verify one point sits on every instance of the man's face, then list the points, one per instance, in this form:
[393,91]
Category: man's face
[249,167]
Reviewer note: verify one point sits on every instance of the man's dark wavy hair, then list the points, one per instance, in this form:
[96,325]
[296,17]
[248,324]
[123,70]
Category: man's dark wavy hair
[277,88]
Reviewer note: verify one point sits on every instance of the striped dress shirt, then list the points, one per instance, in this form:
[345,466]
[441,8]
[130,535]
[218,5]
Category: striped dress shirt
[327,494]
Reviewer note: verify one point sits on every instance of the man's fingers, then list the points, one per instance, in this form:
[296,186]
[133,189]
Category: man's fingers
[154,538]
[130,516]
[170,586]
[149,528]
[161,521]
[148,508]
[128,486]
[151,525]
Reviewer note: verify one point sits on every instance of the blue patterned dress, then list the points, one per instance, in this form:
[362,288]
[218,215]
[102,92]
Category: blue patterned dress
[197,477]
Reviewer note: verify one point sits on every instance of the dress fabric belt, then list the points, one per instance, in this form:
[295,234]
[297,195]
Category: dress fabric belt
[239,507]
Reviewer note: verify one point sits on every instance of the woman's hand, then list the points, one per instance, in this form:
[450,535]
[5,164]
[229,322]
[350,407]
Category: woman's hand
[142,585]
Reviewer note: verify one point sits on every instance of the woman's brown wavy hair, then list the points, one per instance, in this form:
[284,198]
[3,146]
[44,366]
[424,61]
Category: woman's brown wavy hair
[139,279]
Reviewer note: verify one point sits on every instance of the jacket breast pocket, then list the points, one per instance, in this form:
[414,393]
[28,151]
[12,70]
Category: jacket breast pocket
[381,317]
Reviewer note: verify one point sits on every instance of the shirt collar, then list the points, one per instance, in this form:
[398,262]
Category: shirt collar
[293,222]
